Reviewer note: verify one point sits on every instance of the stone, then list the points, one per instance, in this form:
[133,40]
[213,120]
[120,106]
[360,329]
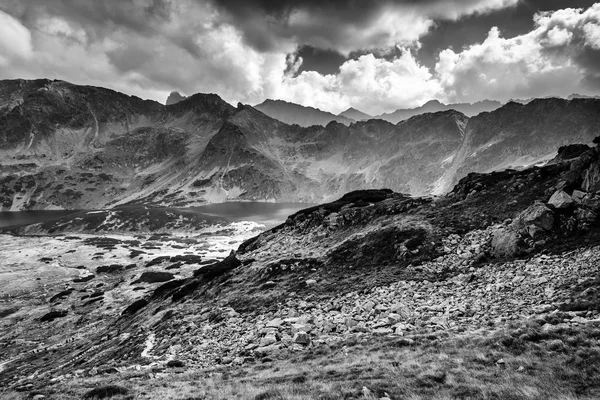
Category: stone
[266,350]
[301,328]
[275,323]
[401,309]
[585,216]
[556,345]
[535,219]
[311,282]
[505,243]
[302,338]
[592,202]
[394,318]
[561,200]
[591,178]
[383,331]
[268,340]
[368,305]
[578,196]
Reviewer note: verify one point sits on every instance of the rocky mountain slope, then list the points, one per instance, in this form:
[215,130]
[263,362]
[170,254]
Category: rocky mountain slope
[510,249]
[292,113]
[65,146]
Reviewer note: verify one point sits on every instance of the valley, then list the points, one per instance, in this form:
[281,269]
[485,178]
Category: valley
[490,289]
[201,250]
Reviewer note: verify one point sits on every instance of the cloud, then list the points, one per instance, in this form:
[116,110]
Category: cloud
[558,57]
[15,39]
[370,83]
[343,25]
[247,51]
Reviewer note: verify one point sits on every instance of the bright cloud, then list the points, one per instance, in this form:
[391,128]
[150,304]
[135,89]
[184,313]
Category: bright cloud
[15,39]
[151,47]
[549,60]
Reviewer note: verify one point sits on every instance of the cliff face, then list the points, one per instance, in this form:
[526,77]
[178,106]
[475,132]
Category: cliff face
[79,147]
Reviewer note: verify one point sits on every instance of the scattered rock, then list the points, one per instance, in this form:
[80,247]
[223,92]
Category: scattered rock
[561,200]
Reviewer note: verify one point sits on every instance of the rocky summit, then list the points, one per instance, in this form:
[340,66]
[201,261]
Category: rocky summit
[498,275]
[65,146]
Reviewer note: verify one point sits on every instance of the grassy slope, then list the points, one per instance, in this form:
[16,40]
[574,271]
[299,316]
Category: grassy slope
[522,361]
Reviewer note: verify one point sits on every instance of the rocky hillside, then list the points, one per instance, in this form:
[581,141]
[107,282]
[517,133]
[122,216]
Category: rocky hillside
[65,146]
[510,246]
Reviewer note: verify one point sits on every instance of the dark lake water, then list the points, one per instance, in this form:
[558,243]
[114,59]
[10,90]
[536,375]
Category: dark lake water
[266,213]
[269,214]
[10,218]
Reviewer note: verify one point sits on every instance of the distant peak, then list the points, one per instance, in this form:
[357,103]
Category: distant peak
[174,98]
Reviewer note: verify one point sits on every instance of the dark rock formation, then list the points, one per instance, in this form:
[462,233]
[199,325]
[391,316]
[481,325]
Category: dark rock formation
[153,277]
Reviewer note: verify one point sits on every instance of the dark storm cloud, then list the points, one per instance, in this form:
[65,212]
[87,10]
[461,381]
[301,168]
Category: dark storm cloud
[96,17]
[99,19]
[342,25]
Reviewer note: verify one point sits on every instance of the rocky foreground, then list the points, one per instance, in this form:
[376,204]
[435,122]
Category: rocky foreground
[505,265]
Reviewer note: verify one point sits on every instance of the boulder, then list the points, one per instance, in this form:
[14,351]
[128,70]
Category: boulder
[268,340]
[591,179]
[266,350]
[275,323]
[535,219]
[401,309]
[578,196]
[506,242]
[585,217]
[561,200]
[591,202]
[302,338]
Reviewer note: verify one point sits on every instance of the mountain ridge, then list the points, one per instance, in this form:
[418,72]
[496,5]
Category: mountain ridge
[62,144]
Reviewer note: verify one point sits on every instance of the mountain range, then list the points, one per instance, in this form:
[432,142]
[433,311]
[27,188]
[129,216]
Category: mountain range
[65,146]
[292,113]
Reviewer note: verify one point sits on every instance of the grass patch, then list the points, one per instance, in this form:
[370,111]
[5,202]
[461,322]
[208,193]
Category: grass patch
[515,363]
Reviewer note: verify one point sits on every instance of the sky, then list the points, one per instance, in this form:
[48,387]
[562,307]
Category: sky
[373,55]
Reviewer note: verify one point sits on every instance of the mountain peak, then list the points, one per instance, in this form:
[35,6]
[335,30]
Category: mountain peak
[355,114]
[174,98]
[291,113]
